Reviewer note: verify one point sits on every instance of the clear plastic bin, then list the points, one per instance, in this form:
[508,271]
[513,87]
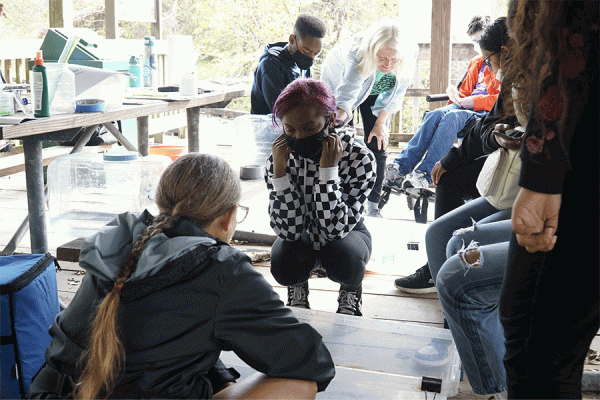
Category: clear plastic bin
[375,359]
[255,134]
[86,191]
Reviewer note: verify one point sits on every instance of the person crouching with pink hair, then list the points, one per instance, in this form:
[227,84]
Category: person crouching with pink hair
[319,179]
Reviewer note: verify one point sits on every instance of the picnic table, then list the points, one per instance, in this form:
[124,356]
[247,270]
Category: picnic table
[34,132]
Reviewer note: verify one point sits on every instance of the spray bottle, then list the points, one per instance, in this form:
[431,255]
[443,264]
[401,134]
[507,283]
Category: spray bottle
[41,98]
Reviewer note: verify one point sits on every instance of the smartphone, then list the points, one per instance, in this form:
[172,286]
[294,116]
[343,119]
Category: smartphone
[511,134]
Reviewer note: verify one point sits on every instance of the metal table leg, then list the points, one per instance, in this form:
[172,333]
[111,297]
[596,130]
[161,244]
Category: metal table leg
[34,174]
[22,230]
[119,136]
[193,122]
[142,128]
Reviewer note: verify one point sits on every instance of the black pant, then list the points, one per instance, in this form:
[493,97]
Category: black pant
[344,259]
[456,187]
[550,302]
[368,120]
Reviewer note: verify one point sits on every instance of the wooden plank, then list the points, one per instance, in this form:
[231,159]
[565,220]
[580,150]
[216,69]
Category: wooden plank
[426,311]
[16,163]
[404,309]
[373,283]
[69,251]
[68,121]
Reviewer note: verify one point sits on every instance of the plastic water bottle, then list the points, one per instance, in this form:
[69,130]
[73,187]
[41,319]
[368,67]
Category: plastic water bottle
[150,67]
[135,80]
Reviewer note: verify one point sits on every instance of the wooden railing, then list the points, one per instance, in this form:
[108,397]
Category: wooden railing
[16,55]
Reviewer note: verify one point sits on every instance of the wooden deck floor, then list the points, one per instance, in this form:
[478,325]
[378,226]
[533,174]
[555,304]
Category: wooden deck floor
[380,298]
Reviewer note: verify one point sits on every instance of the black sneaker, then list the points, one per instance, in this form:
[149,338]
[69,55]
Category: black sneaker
[350,302]
[420,282]
[298,295]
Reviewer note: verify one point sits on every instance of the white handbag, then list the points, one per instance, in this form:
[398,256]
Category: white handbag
[498,180]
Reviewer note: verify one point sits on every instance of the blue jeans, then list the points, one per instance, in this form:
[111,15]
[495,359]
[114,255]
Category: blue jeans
[441,230]
[469,298]
[435,137]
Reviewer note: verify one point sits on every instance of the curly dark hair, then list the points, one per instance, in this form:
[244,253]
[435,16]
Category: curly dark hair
[495,36]
[543,33]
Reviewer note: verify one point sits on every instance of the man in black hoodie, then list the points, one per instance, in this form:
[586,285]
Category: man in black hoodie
[284,62]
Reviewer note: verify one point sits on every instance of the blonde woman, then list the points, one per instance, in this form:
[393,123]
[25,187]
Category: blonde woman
[371,71]
[163,296]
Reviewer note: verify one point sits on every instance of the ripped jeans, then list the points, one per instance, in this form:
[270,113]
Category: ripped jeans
[441,230]
[469,285]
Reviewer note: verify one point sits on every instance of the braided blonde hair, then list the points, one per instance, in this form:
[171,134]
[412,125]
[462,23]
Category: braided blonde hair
[201,187]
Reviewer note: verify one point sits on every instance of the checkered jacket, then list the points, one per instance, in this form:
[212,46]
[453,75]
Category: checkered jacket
[325,202]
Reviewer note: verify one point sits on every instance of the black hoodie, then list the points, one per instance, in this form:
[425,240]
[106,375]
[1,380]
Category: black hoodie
[276,69]
[479,141]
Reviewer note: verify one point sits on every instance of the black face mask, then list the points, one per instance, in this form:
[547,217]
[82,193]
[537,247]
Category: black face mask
[309,147]
[302,61]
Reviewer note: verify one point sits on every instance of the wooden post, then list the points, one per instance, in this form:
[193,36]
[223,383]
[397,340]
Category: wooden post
[111,21]
[440,48]
[60,13]
[157,28]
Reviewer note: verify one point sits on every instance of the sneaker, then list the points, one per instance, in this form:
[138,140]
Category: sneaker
[373,210]
[374,213]
[417,180]
[350,302]
[435,354]
[298,296]
[393,177]
[420,282]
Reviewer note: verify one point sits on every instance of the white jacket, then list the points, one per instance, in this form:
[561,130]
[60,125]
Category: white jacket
[340,72]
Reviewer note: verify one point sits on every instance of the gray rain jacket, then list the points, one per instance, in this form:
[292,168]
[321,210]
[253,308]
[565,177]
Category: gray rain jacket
[191,297]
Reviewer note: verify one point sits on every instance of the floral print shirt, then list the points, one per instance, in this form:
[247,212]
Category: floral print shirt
[547,156]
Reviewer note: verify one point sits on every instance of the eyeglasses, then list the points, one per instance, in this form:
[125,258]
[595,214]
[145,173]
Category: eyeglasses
[385,60]
[242,213]
[486,60]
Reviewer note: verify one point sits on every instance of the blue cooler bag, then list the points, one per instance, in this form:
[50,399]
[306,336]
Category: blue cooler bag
[29,303]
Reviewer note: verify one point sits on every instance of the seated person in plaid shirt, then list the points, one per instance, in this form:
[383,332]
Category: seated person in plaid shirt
[318,179]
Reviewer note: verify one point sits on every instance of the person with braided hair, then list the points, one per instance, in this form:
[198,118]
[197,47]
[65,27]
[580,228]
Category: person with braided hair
[164,295]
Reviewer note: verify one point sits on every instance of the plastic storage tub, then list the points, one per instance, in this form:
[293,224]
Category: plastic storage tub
[375,359]
[254,134]
[86,191]
[174,152]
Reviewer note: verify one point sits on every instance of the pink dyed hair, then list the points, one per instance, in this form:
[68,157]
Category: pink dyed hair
[304,92]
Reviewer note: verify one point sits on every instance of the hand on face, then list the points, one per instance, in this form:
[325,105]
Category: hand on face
[281,153]
[332,151]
